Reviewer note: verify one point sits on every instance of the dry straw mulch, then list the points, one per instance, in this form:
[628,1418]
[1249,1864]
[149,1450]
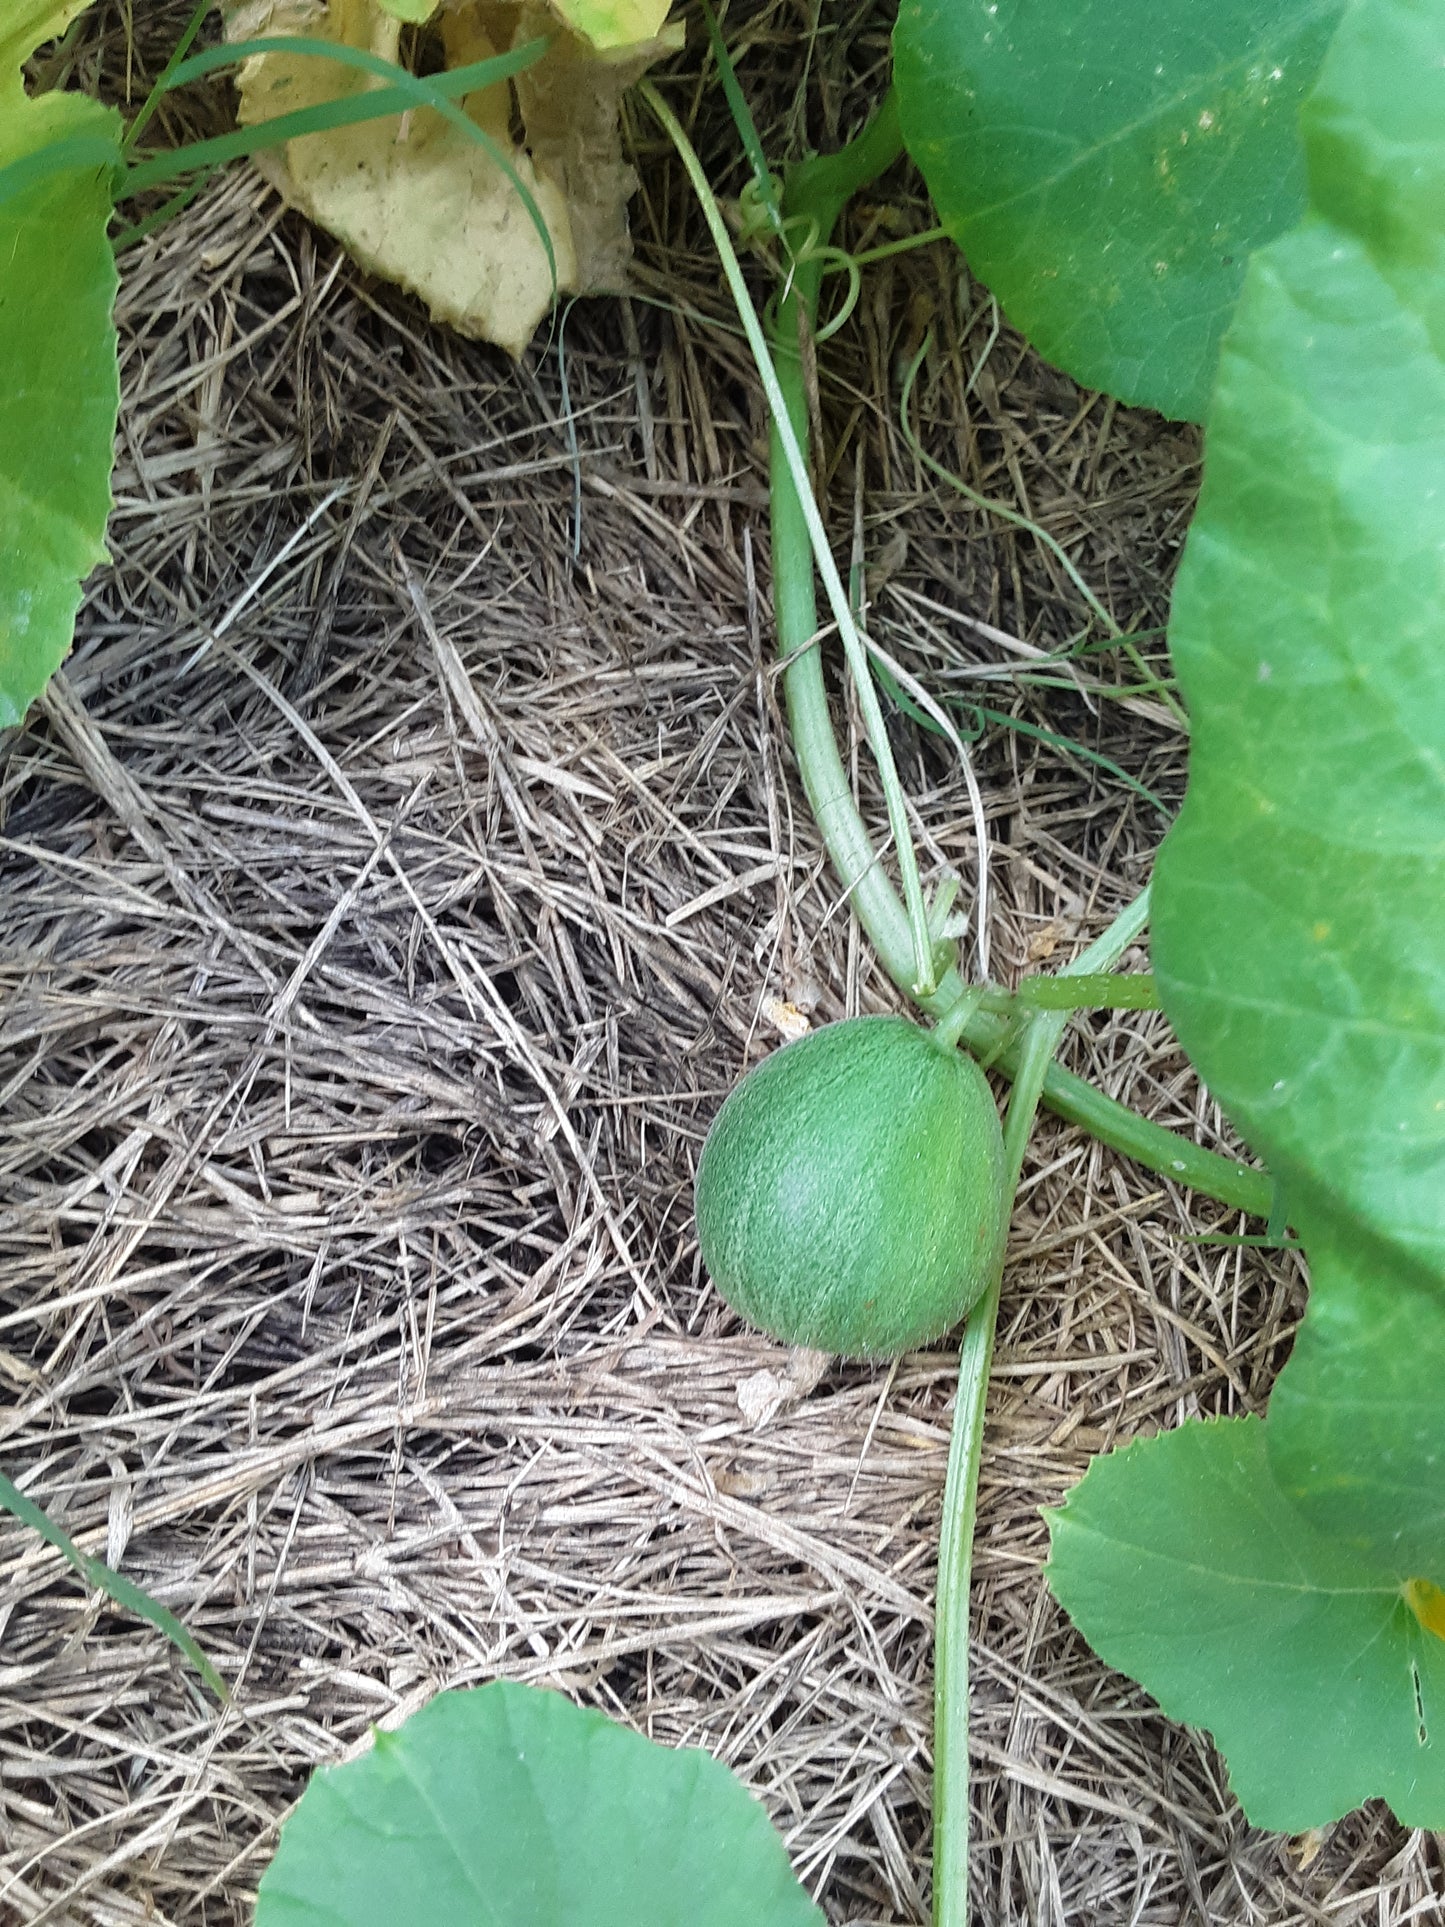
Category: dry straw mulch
[390,897]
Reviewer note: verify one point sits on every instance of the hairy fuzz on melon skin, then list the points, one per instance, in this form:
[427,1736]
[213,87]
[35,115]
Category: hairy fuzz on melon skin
[850,1193]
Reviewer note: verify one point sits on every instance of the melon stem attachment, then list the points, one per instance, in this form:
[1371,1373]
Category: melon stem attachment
[951,1028]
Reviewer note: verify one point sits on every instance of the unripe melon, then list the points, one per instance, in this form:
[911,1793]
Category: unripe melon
[850,1192]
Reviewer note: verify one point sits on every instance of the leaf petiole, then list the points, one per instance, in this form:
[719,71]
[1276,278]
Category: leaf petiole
[1076,989]
[820,187]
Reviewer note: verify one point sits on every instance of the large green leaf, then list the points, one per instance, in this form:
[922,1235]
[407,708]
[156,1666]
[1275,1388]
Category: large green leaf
[1301,895]
[1300,901]
[59,384]
[507,1806]
[1300,898]
[1299,946]
[1357,1418]
[1184,1565]
[1108,165]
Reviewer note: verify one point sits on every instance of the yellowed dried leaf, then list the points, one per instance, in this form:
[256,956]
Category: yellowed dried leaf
[418,201]
[613,23]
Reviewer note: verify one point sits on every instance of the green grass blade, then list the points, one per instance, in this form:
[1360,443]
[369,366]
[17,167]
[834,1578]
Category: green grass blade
[1072,747]
[402,91]
[767,193]
[889,683]
[450,85]
[124,1592]
[178,202]
[165,78]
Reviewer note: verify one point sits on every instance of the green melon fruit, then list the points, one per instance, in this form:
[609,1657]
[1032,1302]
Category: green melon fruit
[850,1193]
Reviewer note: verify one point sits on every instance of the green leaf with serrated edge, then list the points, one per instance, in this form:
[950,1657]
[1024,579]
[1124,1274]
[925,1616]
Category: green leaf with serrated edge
[26,25]
[1299,902]
[60,392]
[1108,165]
[1182,1564]
[507,1806]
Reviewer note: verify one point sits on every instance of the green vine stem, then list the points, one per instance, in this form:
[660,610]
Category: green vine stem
[1021,1041]
[816,192]
[921,980]
[1040,1040]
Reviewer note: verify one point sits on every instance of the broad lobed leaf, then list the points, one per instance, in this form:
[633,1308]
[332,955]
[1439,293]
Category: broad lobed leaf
[1323,979]
[1185,1566]
[1357,1421]
[1259,1578]
[60,392]
[1108,165]
[507,1806]
[1300,897]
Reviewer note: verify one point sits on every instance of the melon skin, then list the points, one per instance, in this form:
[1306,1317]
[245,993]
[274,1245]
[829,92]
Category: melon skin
[849,1196]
